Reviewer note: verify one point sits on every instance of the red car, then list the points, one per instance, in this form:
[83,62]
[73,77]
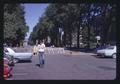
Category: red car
[7,69]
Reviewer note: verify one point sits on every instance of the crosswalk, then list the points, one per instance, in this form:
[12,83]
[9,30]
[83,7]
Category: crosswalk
[54,50]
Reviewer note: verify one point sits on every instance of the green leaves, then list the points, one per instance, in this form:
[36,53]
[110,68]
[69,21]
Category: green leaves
[14,23]
[95,19]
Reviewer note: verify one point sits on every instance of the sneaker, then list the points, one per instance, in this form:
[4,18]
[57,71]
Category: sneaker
[38,65]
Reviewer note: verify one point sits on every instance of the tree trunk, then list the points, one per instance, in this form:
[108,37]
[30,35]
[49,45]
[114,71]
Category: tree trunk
[70,40]
[78,33]
[64,39]
[88,42]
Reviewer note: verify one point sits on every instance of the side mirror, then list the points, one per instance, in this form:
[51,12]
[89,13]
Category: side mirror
[6,53]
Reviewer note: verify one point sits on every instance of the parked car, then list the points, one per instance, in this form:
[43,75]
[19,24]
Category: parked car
[18,56]
[107,52]
[7,69]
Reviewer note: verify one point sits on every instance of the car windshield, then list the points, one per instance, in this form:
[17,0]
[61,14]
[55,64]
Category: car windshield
[10,50]
[111,47]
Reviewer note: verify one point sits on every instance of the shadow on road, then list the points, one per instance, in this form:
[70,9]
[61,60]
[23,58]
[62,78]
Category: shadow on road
[38,65]
[102,57]
[25,61]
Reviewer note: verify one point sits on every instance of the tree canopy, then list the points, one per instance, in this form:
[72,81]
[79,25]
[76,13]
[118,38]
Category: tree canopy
[15,27]
[81,23]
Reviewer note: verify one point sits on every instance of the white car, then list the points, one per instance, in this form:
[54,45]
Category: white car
[18,56]
[107,52]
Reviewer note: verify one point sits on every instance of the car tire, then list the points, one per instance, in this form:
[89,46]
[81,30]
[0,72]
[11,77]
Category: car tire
[15,60]
[114,55]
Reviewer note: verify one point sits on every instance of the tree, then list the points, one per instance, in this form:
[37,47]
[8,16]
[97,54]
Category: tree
[85,20]
[15,27]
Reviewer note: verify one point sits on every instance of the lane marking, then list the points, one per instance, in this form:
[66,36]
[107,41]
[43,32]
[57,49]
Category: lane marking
[20,74]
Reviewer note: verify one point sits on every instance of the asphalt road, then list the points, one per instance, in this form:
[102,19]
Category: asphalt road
[66,67]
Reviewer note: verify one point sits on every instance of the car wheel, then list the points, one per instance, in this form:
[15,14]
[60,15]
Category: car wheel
[114,55]
[15,60]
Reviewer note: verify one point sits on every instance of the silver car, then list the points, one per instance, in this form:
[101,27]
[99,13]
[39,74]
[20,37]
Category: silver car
[18,56]
[108,52]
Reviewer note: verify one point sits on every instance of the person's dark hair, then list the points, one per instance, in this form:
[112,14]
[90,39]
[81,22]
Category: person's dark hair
[39,41]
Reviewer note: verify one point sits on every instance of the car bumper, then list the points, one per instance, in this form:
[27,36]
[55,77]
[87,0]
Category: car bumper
[104,54]
[109,54]
[101,54]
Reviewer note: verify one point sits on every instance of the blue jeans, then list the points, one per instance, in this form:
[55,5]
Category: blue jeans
[41,58]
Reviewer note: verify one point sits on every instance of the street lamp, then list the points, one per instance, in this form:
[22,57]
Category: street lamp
[98,38]
[61,34]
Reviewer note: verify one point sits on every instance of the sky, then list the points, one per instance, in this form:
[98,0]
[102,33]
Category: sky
[32,14]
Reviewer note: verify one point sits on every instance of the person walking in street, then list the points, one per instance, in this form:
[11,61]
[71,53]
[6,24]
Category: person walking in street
[41,50]
[35,48]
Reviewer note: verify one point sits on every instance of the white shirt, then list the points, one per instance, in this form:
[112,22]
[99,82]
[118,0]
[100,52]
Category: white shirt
[41,47]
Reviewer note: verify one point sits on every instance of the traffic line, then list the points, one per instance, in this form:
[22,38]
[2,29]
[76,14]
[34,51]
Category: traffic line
[20,74]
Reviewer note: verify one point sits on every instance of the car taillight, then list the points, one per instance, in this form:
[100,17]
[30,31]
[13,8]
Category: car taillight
[6,71]
[5,77]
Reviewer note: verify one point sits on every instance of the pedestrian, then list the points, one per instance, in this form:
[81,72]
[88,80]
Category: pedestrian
[41,50]
[35,48]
